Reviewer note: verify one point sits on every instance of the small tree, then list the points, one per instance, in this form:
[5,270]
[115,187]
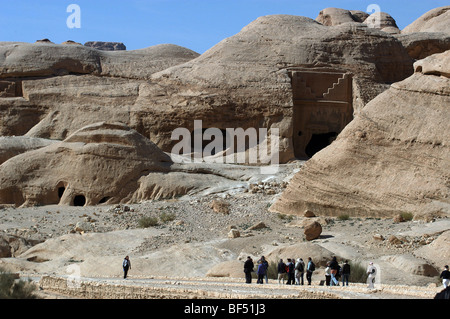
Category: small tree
[11,288]
[357,273]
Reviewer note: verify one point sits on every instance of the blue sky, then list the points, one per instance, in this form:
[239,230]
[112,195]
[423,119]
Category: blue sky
[195,24]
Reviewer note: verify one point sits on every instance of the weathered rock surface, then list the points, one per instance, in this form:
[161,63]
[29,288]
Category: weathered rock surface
[435,20]
[413,265]
[318,254]
[382,21]
[393,157]
[11,146]
[312,230]
[336,16]
[48,59]
[438,252]
[99,163]
[378,20]
[423,44]
[11,245]
[106,46]
[244,81]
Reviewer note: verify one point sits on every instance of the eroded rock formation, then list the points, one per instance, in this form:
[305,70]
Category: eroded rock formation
[306,78]
[97,164]
[393,157]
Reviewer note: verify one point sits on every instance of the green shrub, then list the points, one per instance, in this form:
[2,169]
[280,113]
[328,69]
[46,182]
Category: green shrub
[357,273]
[11,288]
[147,221]
[167,217]
[407,216]
[343,217]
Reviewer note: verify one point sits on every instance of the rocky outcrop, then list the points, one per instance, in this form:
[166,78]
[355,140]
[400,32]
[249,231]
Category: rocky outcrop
[99,163]
[394,157]
[11,146]
[426,36]
[438,252]
[435,20]
[423,44]
[378,20]
[306,79]
[21,60]
[244,81]
[61,88]
[106,46]
[413,265]
[336,16]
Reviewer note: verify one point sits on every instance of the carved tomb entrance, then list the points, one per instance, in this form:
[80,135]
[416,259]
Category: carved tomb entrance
[322,108]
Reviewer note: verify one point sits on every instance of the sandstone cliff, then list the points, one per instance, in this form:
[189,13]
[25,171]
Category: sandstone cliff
[394,156]
[244,81]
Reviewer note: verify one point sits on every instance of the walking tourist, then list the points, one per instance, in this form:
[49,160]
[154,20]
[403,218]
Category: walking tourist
[248,268]
[126,266]
[334,267]
[445,275]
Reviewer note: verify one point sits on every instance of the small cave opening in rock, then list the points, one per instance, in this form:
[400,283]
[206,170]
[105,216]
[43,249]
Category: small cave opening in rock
[79,200]
[61,191]
[104,200]
[318,142]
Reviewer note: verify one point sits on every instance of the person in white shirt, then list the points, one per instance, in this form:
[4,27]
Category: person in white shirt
[371,272]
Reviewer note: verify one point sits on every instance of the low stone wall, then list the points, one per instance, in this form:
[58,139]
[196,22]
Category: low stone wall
[93,289]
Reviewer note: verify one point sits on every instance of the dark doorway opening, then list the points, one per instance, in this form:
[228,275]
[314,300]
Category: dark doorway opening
[318,142]
[79,200]
[61,191]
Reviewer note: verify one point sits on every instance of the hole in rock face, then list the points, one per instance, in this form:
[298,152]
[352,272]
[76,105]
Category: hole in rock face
[104,200]
[318,142]
[79,200]
[61,191]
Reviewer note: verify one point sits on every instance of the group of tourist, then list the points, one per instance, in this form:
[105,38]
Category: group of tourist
[293,272]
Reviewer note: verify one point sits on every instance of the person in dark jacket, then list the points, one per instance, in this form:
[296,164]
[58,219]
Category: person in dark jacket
[126,265]
[266,265]
[248,268]
[345,273]
[309,270]
[281,271]
[334,266]
[261,272]
[291,271]
[445,275]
